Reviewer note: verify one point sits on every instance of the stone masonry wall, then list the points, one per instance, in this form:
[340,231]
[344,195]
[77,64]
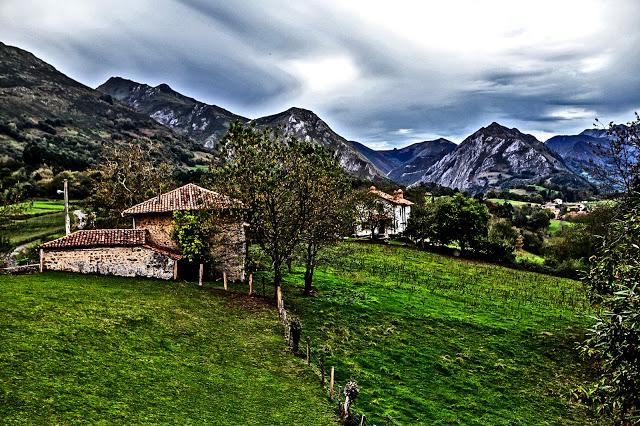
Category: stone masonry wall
[121,261]
[229,245]
[229,250]
[159,227]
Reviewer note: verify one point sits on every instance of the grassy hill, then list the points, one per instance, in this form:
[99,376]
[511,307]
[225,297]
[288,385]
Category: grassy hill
[50,123]
[436,340]
[80,349]
[41,220]
[430,340]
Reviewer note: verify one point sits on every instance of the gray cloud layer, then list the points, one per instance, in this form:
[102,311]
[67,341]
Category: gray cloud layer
[384,75]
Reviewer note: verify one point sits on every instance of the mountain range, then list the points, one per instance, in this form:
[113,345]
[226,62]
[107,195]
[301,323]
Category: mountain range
[41,106]
[47,117]
[206,124]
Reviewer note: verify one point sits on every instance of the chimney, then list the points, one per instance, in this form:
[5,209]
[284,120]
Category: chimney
[398,194]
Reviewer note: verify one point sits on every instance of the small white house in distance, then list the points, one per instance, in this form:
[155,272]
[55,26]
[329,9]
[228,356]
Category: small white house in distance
[386,217]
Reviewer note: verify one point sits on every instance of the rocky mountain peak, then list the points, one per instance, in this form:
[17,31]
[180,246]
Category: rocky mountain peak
[163,87]
[496,156]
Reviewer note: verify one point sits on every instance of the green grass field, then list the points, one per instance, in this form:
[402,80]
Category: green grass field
[512,202]
[556,225]
[435,340]
[105,350]
[39,227]
[40,220]
[38,207]
[523,256]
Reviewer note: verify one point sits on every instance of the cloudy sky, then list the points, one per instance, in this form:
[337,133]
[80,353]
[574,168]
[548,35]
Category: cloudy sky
[385,73]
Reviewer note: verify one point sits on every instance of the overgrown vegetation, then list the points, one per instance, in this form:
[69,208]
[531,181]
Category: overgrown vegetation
[613,343]
[128,175]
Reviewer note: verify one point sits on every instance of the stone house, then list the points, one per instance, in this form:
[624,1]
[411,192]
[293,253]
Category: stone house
[148,248]
[123,252]
[395,208]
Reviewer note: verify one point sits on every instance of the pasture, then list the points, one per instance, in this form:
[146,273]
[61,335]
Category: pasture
[437,340]
[105,350]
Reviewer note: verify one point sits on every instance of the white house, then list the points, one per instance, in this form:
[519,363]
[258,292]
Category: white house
[389,217]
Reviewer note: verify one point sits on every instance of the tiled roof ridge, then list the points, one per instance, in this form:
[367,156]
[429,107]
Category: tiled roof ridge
[100,238]
[403,201]
[186,197]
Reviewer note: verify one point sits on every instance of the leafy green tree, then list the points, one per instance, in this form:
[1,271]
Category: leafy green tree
[420,226]
[613,343]
[273,176]
[331,208]
[192,232]
[502,231]
[451,219]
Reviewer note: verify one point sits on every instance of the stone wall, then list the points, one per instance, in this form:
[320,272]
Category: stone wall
[228,246]
[159,227]
[121,261]
[229,249]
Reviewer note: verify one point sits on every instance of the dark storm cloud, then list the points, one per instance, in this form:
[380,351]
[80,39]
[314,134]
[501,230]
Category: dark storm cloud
[380,74]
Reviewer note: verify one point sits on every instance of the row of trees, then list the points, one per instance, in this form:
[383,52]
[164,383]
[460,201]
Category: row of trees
[463,221]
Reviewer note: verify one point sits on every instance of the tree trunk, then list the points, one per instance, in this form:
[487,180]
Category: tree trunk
[310,266]
[277,281]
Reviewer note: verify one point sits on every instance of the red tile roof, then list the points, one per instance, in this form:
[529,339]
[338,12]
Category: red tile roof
[100,238]
[108,238]
[397,199]
[188,197]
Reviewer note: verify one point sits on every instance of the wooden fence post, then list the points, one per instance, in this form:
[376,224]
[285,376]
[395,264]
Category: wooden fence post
[279,297]
[331,383]
[200,274]
[250,283]
[41,260]
[224,280]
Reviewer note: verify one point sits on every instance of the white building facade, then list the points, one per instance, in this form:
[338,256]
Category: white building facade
[386,217]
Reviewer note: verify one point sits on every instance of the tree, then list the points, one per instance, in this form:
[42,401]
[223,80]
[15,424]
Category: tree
[128,175]
[451,219]
[270,174]
[193,233]
[331,208]
[420,226]
[613,343]
[620,170]
[502,231]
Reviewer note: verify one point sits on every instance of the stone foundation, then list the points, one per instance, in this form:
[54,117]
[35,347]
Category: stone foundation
[121,261]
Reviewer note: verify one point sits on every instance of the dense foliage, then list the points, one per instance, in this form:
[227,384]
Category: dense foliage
[462,221]
[192,232]
[291,189]
[614,341]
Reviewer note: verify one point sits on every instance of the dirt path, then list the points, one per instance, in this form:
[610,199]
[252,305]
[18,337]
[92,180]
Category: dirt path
[10,258]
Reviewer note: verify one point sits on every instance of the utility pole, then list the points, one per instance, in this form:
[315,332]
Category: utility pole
[67,220]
